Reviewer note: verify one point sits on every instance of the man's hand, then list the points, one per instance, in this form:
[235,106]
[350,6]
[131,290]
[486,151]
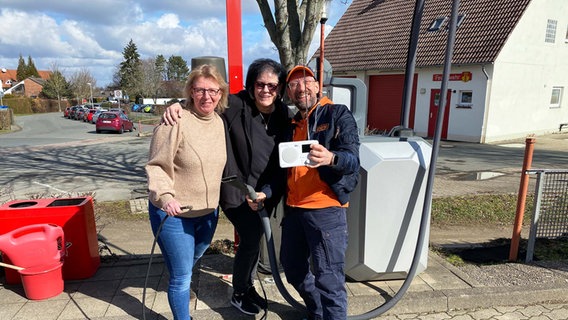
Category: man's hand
[171,114]
[320,156]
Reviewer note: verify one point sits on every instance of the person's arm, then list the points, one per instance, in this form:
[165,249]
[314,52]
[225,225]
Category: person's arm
[172,113]
[160,169]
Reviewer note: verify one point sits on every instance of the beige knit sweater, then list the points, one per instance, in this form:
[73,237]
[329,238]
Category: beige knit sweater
[186,162]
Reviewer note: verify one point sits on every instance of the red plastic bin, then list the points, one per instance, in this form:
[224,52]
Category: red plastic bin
[77,218]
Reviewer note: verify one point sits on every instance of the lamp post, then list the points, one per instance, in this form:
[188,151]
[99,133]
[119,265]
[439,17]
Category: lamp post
[91,89]
[323,20]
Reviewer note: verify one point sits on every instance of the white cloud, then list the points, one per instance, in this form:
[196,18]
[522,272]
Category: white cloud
[92,34]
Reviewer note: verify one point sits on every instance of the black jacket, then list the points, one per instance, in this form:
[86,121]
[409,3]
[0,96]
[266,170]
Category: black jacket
[335,128]
[252,151]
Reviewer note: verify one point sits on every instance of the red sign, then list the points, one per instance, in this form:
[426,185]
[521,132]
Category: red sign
[464,76]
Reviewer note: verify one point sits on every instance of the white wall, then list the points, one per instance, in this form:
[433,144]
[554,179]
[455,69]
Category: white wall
[525,72]
[464,124]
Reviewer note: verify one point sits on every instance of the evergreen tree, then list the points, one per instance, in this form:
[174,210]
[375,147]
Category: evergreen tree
[31,70]
[130,73]
[161,64]
[21,72]
[177,69]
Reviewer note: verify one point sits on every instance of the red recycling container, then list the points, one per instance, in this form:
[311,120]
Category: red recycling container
[77,218]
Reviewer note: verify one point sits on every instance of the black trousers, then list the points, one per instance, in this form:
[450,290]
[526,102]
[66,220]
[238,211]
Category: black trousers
[248,225]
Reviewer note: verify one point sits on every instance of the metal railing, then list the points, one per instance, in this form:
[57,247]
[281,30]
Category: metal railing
[550,216]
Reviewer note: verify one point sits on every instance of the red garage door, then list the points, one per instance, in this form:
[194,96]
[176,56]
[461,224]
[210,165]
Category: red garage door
[385,101]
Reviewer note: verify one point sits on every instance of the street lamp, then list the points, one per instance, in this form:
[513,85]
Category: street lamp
[91,88]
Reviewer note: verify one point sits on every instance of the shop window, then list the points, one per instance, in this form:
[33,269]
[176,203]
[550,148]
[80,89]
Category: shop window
[550,36]
[556,97]
[465,99]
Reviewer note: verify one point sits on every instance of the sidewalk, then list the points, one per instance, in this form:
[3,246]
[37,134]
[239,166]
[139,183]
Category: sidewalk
[115,292]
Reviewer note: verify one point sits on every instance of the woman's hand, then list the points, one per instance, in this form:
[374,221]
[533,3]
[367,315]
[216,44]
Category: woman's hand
[257,204]
[171,114]
[173,208]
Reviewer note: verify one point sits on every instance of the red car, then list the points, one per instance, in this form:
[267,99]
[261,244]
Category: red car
[88,117]
[113,121]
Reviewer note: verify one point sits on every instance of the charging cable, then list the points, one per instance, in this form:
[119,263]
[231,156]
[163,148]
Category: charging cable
[149,265]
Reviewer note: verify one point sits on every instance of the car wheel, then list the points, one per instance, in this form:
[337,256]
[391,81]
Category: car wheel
[121,131]
[98,131]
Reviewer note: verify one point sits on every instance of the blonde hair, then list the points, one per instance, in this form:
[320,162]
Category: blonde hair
[210,72]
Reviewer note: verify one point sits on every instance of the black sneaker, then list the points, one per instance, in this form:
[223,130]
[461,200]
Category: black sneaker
[257,299]
[242,302]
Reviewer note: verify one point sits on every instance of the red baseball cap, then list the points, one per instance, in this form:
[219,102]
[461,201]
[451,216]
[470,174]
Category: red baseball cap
[300,68]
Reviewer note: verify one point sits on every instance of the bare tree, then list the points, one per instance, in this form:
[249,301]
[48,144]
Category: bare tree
[56,85]
[151,78]
[291,27]
[80,84]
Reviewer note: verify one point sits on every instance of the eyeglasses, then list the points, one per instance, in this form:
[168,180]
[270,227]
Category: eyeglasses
[294,84]
[210,91]
[262,85]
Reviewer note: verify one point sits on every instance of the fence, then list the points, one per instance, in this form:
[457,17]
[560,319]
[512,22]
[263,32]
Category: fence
[550,217]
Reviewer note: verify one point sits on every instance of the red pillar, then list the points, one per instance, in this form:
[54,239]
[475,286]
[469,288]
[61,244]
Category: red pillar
[234,46]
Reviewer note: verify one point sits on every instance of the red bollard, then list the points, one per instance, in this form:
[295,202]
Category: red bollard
[522,197]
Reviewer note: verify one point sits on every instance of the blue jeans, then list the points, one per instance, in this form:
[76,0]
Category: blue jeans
[319,235]
[182,242]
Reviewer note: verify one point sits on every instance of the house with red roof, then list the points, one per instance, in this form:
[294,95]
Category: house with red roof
[30,87]
[509,72]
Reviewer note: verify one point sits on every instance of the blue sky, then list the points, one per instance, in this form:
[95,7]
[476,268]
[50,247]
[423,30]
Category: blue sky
[90,35]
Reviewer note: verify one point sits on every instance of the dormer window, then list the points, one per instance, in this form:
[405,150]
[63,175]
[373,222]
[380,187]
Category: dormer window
[437,24]
[459,22]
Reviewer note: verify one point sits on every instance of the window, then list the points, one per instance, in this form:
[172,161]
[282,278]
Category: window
[556,97]
[566,40]
[437,24]
[550,31]
[465,99]
[459,22]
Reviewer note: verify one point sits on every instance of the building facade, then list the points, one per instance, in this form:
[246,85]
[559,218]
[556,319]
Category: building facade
[509,69]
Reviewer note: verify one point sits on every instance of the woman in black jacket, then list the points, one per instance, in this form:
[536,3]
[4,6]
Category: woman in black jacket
[257,120]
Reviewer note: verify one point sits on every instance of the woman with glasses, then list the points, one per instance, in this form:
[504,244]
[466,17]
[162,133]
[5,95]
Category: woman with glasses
[184,172]
[257,120]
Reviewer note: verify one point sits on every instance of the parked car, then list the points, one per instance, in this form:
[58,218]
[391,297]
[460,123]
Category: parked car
[88,116]
[97,114]
[79,113]
[121,110]
[66,112]
[72,111]
[148,108]
[113,121]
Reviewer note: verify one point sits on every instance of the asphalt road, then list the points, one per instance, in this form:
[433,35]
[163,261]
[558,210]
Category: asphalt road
[52,155]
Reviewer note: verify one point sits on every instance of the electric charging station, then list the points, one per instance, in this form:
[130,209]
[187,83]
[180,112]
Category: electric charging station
[385,209]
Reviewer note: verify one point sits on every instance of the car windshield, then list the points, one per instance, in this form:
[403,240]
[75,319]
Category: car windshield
[107,116]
